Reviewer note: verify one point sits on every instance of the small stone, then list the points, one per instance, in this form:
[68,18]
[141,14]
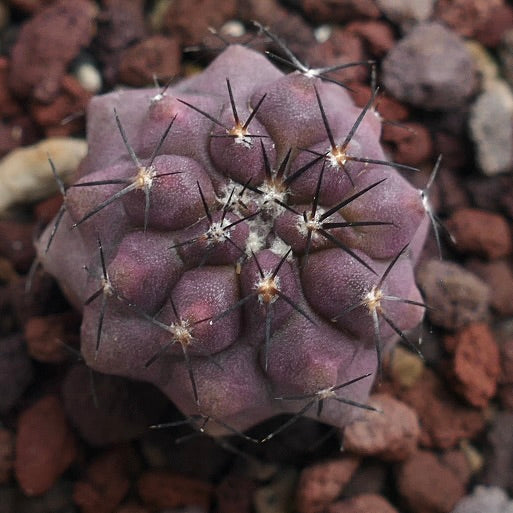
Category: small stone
[15,371]
[377,35]
[457,461]
[327,11]
[491,31]
[277,496]
[498,274]
[406,13]
[388,108]
[320,484]
[46,44]
[404,367]
[430,68]
[363,504]
[47,337]
[491,128]
[485,499]
[157,56]
[161,489]
[89,77]
[6,455]
[234,494]
[391,435]
[105,484]
[410,143]
[444,420]
[45,446]
[465,16]
[479,232]
[428,486]
[191,19]
[475,365]
[456,296]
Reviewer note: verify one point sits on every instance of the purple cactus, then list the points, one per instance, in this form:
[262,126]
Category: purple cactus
[240,241]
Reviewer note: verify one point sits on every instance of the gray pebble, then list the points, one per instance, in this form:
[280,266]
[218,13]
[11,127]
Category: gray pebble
[430,68]
[483,499]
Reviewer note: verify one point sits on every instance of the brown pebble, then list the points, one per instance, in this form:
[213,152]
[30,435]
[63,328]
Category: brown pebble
[157,56]
[327,11]
[46,44]
[191,19]
[444,420]
[162,489]
[365,503]
[105,484]
[378,36]
[455,296]
[481,233]
[490,31]
[391,435]
[475,365]
[411,143]
[45,446]
[320,484]
[428,486]
[6,455]
[498,274]
[48,336]
[65,115]
[234,494]
[465,16]
[457,461]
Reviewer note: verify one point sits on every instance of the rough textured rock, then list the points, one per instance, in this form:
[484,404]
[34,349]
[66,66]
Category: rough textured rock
[45,446]
[430,68]
[391,435]
[320,484]
[456,296]
[475,365]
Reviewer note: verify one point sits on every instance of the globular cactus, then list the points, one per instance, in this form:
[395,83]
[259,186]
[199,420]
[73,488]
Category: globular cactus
[240,241]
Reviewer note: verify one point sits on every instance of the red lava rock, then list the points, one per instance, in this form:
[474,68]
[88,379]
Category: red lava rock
[456,296]
[71,102]
[411,143]
[363,504]
[45,446]
[391,435]
[490,31]
[482,233]
[122,25]
[235,494]
[328,11]
[48,336]
[475,365]
[466,16]
[157,56]
[19,131]
[378,36]
[16,243]
[15,371]
[6,455]
[105,484]
[46,44]
[499,276]
[428,486]
[161,489]
[342,47]
[388,108]
[444,421]
[191,19]
[320,484]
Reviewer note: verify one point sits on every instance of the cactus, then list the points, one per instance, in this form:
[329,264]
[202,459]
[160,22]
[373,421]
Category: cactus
[240,241]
